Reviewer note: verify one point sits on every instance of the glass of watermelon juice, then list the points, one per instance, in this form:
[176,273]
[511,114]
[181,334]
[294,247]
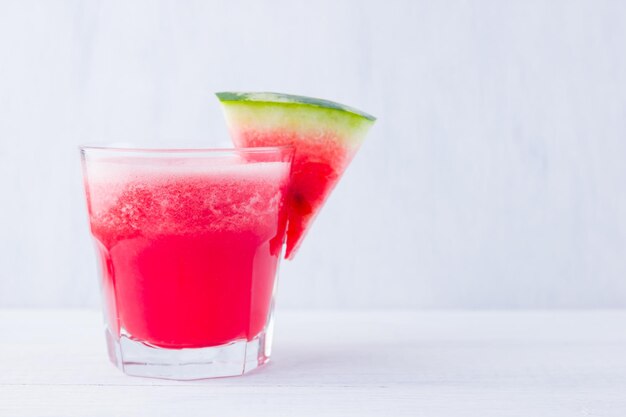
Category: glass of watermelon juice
[189,243]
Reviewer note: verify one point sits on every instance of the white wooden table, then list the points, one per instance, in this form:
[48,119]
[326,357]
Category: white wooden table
[53,363]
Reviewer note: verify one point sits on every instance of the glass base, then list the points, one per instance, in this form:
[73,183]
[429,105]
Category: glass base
[232,359]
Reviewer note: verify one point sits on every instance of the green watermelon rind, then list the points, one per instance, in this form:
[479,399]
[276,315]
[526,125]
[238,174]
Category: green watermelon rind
[267,98]
[270,111]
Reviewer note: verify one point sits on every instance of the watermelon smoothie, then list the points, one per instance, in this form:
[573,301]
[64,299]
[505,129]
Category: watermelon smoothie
[189,243]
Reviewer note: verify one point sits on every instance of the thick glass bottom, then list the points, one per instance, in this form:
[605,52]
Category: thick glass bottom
[235,358]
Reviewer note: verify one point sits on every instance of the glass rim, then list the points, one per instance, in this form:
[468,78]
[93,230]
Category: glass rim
[169,150]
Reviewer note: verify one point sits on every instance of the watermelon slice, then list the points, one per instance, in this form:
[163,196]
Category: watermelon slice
[326,135]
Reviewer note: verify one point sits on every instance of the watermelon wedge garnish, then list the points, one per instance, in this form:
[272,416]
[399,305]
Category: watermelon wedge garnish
[326,135]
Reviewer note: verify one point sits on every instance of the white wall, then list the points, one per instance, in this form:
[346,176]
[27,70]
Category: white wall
[495,177]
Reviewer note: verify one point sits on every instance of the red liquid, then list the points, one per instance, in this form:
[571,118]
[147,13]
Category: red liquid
[189,252]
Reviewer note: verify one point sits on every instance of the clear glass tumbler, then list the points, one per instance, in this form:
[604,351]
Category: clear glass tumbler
[189,243]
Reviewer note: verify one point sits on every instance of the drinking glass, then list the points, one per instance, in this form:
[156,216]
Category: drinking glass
[189,242]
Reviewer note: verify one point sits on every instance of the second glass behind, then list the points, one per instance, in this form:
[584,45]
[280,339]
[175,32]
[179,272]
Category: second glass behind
[189,243]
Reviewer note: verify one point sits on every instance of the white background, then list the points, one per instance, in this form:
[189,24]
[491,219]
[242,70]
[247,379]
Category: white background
[494,178]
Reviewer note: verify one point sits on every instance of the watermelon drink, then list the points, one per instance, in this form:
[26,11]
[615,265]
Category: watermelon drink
[189,243]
